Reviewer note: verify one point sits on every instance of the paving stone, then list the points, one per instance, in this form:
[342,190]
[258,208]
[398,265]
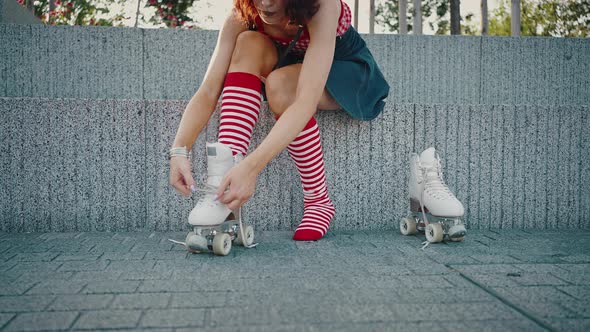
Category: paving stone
[579,307]
[141,301]
[132,266]
[57,287]
[42,321]
[111,287]
[536,258]
[123,256]
[33,248]
[516,325]
[108,319]
[77,266]
[91,276]
[245,315]
[111,247]
[166,255]
[424,282]
[574,278]
[495,259]
[487,268]
[534,294]
[545,309]
[80,302]
[34,257]
[5,318]
[175,318]
[538,279]
[35,266]
[39,276]
[16,287]
[440,295]
[578,258]
[59,236]
[565,324]
[543,268]
[579,292]
[208,299]
[337,284]
[429,268]
[155,286]
[77,257]
[146,275]
[494,280]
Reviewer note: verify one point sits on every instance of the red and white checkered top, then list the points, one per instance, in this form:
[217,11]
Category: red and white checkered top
[301,45]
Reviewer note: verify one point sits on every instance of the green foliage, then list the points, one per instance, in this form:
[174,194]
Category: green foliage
[386,14]
[79,12]
[557,18]
[173,13]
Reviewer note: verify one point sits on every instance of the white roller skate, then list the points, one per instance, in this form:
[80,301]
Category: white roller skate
[434,209]
[215,226]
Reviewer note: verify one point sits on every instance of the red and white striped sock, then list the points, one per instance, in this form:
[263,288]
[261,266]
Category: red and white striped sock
[306,151]
[240,107]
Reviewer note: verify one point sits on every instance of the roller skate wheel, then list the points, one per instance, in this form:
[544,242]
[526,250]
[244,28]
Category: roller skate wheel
[458,239]
[408,226]
[221,244]
[434,233]
[195,243]
[248,234]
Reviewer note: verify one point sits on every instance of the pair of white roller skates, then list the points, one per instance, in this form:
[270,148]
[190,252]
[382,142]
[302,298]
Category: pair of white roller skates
[434,210]
[215,226]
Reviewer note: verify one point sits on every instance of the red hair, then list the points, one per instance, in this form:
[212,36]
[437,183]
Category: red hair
[298,11]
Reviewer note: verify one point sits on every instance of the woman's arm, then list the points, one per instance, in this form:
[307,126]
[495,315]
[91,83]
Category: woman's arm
[202,104]
[310,87]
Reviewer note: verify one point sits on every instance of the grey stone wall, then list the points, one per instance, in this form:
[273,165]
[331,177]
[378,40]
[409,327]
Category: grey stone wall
[80,165]
[88,114]
[127,63]
[12,12]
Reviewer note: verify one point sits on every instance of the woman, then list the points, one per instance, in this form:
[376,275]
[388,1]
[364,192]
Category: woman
[309,57]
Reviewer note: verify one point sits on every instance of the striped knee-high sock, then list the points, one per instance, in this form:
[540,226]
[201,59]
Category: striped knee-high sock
[240,107]
[306,152]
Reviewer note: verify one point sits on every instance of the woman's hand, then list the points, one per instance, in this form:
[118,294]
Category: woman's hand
[180,175]
[241,180]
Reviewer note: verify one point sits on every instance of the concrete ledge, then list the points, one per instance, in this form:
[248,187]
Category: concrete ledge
[127,63]
[79,165]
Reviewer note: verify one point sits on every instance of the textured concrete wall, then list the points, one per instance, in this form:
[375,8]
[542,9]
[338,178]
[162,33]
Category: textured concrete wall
[12,12]
[101,165]
[127,63]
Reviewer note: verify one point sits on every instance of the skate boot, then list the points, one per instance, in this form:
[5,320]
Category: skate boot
[434,209]
[215,226]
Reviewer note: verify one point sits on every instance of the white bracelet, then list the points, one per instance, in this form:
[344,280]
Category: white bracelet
[180,152]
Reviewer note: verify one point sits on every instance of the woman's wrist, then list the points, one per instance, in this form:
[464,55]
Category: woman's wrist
[253,164]
[180,151]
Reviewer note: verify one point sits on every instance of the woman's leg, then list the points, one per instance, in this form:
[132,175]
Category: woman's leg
[306,152]
[254,56]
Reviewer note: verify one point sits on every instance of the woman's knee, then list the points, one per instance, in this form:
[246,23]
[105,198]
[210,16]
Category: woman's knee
[280,87]
[254,49]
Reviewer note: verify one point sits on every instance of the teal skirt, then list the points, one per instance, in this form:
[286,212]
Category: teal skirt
[355,81]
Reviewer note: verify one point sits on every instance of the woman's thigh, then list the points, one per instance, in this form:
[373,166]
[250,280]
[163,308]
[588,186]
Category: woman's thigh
[283,82]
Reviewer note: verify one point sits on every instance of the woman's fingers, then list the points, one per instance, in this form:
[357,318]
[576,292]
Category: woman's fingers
[221,194]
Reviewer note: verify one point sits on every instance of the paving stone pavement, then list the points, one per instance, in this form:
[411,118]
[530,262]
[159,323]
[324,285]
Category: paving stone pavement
[508,280]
